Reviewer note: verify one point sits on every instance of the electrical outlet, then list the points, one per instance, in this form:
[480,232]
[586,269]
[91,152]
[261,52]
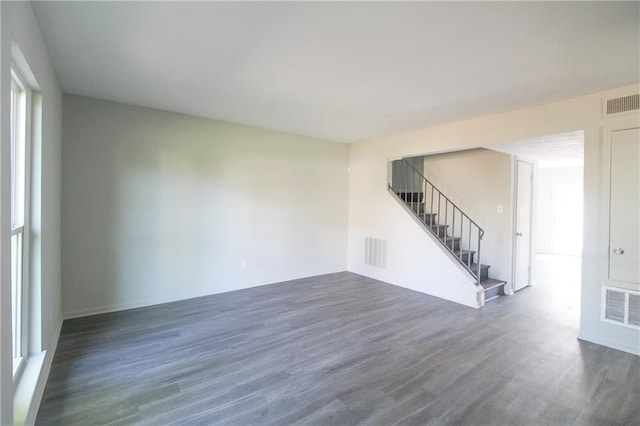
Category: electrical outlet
[243,263]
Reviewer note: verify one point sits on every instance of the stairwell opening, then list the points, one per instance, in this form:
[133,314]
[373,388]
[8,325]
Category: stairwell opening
[480,182]
[448,194]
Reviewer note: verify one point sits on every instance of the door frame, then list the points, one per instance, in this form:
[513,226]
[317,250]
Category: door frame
[515,225]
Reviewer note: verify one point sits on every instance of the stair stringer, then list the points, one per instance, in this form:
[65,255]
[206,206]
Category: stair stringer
[415,260]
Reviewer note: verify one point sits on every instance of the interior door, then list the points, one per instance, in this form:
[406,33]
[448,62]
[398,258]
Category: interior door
[624,222]
[522,243]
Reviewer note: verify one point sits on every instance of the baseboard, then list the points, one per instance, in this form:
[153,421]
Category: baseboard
[126,306]
[160,301]
[28,394]
[610,344]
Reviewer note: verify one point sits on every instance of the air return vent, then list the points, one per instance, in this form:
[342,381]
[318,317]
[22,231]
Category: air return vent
[375,252]
[621,105]
[621,306]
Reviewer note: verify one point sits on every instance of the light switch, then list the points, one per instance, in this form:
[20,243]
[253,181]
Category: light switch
[500,208]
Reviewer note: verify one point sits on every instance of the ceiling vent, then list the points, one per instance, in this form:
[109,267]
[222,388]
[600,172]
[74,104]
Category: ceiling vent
[621,306]
[621,105]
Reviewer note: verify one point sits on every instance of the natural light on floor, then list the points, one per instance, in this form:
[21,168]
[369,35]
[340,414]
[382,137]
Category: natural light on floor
[558,279]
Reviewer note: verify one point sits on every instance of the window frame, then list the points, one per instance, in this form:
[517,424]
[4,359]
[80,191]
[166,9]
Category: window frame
[20,214]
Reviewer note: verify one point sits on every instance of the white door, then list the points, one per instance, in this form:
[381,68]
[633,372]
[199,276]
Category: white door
[522,244]
[624,219]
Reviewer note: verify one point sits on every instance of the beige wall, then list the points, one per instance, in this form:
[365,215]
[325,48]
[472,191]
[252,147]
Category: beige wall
[477,181]
[160,206]
[367,189]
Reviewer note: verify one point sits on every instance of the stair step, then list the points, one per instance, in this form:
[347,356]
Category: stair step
[439,230]
[464,255]
[420,208]
[408,197]
[490,283]
[484,270]
[492,288]
[429,218]
[452,242]
[416,207]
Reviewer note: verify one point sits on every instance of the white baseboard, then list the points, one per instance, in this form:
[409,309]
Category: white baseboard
[159,301]
[610,344]
[125,306]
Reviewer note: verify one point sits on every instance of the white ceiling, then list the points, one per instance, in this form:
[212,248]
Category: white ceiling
[565,148]
[341,71]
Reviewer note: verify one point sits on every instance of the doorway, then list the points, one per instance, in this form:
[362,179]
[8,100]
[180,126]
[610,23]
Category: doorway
[555,225]
[566,218]
[558,239]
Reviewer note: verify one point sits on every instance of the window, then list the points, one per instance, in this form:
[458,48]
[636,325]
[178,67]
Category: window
[19,223]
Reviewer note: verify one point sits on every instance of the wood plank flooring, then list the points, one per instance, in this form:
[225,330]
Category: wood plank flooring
[338,349]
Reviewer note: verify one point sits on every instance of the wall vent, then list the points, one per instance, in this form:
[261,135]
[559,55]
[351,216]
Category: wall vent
[621,105]
[375,252]
[621,306]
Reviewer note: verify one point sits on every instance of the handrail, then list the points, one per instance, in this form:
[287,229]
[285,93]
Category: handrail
[436,188]
[456,241]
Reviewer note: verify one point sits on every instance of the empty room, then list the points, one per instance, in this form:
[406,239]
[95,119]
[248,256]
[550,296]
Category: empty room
[283,213]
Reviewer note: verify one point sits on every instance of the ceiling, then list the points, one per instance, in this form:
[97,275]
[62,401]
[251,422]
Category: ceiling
[339,70]
[561,149]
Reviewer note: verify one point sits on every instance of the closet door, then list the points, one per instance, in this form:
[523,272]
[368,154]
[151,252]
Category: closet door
[624,214]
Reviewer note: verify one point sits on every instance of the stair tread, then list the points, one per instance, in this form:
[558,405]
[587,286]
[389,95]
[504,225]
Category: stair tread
[475,265]
[490,283]
[458,252]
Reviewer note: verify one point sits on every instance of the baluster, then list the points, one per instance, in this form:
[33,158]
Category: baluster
[453,228]
[439,198]
[478,254]
[431,208]
[423,187]
[469,246]
[405,182]
[446,219]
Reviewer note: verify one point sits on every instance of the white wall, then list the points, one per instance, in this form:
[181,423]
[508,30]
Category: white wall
[160,206]
[477,181]
[18,24]
[372,211]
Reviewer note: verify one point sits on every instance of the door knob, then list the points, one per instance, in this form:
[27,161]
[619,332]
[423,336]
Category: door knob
[519,234]
[618,251]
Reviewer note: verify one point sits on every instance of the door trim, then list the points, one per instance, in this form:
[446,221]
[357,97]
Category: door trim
[515,225]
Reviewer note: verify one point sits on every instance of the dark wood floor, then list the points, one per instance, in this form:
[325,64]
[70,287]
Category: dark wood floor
[339,349]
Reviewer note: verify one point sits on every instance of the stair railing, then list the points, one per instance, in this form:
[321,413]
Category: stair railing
[459,234]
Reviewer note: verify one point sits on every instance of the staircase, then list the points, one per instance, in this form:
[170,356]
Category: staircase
[454,229]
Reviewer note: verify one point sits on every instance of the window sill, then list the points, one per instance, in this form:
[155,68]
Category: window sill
[26,387]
